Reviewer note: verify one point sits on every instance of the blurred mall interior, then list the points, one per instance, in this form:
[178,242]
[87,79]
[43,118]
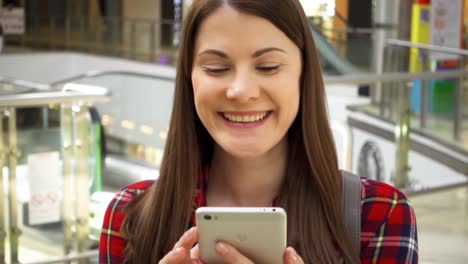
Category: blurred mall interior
[76,76]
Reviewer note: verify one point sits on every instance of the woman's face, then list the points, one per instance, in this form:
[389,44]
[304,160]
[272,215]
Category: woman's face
[246,79]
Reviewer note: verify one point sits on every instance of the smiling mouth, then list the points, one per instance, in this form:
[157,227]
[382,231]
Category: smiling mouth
[245,118]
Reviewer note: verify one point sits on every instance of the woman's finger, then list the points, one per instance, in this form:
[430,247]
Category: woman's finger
[180,254]
[175,256]
[230,254]
[195,252]
[188,239]
[291,257]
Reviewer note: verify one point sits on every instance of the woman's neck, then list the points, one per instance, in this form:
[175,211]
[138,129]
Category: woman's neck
[248,181]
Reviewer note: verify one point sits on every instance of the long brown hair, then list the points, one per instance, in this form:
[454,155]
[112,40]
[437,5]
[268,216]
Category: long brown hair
[311,193]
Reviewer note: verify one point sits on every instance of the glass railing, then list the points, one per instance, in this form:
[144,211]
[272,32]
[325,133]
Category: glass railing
[437,105]
[132,95]
[48,145]
[412,116]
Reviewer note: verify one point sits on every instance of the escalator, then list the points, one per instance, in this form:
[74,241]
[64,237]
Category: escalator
[332,61]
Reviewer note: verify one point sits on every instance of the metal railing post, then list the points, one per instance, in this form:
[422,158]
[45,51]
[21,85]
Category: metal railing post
[81,189]
[402,137]
[52,33]
[424,90]
[67,33]
[3,225]
[132,39]
[382,100]
[14,154]
[152,41]
[457,107]
[67,201]
[81,34]
[99,45]
[37,31]
[116,31]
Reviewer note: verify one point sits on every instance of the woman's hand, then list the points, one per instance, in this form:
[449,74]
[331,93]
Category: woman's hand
[291,257]
[232,256]
[184,251]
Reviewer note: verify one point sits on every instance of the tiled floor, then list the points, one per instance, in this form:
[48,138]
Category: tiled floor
[442,219]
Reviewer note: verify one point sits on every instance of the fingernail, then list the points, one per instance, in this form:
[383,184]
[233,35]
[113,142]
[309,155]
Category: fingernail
[221,248]
[293,254]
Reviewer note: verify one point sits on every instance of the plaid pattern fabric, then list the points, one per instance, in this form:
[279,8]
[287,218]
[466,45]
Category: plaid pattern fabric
[388,224]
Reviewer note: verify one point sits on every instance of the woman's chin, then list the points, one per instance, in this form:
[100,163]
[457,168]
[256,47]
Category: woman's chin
[241,151]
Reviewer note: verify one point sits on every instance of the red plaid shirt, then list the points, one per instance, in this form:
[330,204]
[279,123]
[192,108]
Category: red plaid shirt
[388,224]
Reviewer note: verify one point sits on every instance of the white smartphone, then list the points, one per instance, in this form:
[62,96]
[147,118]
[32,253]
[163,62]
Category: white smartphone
[259,233]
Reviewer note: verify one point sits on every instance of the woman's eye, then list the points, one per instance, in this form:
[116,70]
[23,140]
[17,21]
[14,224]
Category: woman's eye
[215,70]
[268,69]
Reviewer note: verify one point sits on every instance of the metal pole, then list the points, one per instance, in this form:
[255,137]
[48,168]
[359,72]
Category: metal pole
[457,111]
[67,33]
[25,22]
[51,32]
[424,90]
[13,201]
[132,39]
[99,45]
[67,204]
[152,41]
[402,131]
[82,129]
[385,13]
[2,197]
[37,32]
[117,31]
[402,136]
[81,34]
[389,50]
[393,93]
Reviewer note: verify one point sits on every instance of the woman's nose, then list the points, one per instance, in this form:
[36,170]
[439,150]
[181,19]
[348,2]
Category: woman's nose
[243,88]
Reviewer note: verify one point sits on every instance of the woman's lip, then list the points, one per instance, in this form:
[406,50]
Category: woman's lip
[254,124]
[245,113]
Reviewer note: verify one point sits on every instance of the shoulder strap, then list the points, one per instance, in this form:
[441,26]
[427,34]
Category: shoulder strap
[351,195]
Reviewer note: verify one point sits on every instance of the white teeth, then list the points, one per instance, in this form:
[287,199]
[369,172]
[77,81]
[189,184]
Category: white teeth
[245,118]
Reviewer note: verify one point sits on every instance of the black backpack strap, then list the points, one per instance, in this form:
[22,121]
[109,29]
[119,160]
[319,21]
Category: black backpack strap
[351,195]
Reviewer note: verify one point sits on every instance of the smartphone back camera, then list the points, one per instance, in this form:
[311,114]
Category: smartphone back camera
[207,217]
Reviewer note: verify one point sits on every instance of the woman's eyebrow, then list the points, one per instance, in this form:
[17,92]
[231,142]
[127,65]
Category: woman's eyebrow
[256,54]
[214,52]
[260,52]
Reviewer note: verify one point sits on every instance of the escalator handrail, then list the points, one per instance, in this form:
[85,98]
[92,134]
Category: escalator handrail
[92,74]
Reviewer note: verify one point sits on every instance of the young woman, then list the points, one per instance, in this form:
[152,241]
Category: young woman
[249,127]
